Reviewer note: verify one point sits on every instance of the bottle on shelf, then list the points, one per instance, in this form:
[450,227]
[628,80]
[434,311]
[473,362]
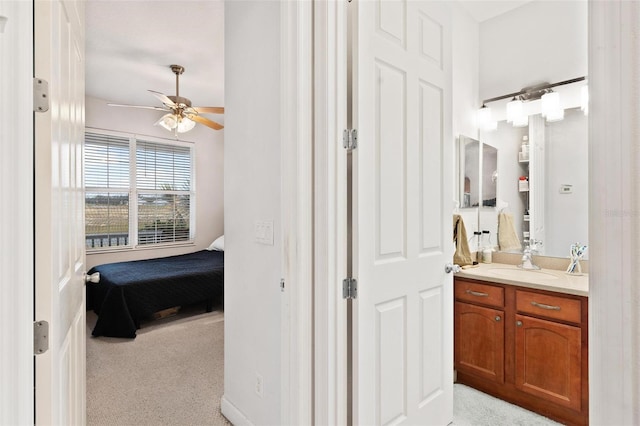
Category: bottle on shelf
[523,155]
[523,184]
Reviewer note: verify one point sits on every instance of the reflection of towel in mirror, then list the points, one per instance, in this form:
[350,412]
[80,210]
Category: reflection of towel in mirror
[462,256]
[507,237]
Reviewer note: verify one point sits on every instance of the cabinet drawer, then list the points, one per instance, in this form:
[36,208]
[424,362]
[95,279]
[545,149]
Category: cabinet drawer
[556,307]
[479,293]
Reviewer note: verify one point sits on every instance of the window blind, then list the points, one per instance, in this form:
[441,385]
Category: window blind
[153,209]
[163,181]
[106,175]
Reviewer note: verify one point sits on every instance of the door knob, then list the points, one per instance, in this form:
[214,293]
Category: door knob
[451,267]
[93,278]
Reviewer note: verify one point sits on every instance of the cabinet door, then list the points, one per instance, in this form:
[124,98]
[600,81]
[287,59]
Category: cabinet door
[479,341]
[548,360]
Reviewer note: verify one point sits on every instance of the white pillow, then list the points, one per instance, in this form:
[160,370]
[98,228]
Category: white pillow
[217,245]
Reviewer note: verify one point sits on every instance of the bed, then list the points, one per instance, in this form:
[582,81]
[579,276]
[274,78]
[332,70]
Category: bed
[131,291]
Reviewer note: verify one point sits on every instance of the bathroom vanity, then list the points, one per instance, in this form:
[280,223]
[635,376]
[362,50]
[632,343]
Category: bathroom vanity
[522,336]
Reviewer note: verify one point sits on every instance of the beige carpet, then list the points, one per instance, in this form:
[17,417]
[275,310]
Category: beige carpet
[171,374]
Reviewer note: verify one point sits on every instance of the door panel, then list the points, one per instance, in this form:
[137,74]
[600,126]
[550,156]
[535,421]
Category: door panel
[548,360]
[403,332]
[391,162]
[391,353]
[59,223]
[479,341]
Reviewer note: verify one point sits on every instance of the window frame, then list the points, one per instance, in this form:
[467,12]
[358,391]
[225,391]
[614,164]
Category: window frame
[133,191]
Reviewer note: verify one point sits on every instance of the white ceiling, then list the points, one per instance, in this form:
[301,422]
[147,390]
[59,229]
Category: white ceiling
[482,10]
[130,45]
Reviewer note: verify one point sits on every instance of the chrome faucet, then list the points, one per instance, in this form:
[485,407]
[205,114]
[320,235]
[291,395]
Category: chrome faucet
[527,254]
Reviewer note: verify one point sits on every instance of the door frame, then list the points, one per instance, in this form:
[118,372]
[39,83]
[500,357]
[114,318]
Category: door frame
[610,393]
[614,135]
[17,245]
[313,167]
[613,309]
[296,79]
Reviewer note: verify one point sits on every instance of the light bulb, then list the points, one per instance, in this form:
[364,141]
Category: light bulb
[515,111]
[168,121]
[551,106]
[584,99]
[484,115]
[485,121]
[550,103]
[185,124]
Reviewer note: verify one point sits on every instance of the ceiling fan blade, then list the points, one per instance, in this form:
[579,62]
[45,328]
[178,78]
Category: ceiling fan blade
[209,110]
[139,106]
[163,98]
[205,121]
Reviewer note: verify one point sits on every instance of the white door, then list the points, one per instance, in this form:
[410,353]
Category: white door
[403,332]
[59,206]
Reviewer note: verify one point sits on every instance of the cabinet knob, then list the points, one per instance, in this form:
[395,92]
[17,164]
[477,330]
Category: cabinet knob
[519,323]
[498,318]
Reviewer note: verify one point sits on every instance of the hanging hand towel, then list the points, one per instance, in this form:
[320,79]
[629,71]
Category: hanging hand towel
[462,255]
[507,237]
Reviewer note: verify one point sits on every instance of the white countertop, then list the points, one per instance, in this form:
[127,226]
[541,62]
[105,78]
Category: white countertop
[543,279]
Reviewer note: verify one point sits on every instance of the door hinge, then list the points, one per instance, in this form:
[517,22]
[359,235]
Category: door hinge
[281,284]
[349,288]
[40,95]
[40,337]
[350,139]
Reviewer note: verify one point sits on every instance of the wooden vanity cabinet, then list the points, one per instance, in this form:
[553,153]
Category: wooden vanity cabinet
[479,330]
[525,346]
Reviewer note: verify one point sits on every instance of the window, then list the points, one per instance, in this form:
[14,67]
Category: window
[156,209]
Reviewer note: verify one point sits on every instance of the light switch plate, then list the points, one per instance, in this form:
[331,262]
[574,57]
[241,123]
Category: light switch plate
[264,232]
[566,189]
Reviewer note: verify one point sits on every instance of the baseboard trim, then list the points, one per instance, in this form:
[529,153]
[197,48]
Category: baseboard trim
[232,413]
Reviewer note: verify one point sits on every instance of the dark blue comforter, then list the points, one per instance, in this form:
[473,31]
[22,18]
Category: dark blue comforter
[131,291]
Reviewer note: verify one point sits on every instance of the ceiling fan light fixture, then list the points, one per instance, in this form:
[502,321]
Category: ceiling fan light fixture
[185,124]
[180,116]
[168,121]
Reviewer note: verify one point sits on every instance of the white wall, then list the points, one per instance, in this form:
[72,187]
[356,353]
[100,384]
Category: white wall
[252,193]
[209,175]
[465,83]
[540,41]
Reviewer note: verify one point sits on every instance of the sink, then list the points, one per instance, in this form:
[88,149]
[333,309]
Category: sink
[522,274]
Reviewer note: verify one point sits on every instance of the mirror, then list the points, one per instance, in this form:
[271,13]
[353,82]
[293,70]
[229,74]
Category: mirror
[469,172]
[517,55]
[473,185]
[489,175]
[552,206]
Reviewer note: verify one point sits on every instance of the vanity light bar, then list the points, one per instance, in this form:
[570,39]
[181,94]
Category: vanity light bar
[534,92]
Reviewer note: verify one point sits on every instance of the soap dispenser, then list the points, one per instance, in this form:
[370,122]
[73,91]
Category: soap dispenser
[477,235]
[486,247]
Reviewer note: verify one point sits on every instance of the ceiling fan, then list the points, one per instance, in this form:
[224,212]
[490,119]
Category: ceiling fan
[181,116]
